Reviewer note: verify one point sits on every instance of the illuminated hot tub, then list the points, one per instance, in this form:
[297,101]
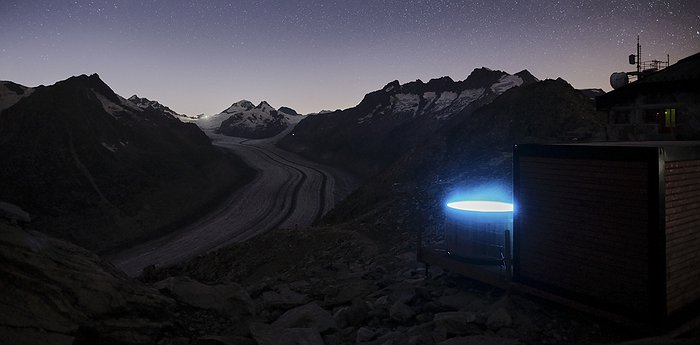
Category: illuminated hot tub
[481,206]
[475,230]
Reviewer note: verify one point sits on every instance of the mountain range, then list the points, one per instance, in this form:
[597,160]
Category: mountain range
[366,138]
[101,170]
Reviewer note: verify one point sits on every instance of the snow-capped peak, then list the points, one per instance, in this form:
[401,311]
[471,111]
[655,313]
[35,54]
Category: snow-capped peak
[265,107]
[240,106]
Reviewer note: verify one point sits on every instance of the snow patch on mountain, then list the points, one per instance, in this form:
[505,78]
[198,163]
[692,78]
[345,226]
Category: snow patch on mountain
[506,82]
[405,103]
[445,100]
[110,107]
[429,97]
[376,111]
[461,101]
[470,95]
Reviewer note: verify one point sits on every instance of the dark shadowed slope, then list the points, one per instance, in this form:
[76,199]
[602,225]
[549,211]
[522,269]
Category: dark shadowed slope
[92,167]
[475,148]
[54,292]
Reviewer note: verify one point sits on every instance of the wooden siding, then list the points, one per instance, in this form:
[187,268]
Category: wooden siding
[584,228]
[682,233]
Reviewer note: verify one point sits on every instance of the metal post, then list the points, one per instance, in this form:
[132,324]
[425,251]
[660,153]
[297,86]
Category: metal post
[508,257]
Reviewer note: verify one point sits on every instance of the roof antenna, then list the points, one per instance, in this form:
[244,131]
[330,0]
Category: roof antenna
[644,68]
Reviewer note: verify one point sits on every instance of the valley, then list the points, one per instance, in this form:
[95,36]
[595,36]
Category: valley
[287,192]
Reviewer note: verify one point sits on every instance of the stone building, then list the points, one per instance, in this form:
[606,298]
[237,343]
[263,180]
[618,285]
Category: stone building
[660,105]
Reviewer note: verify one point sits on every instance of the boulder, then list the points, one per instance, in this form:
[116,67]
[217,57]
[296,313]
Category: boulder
[480,340]
[401,312]
[224,340]
[349,291]
[456,301]
[270,335]
[364,334]
[307,316]
[229,299]
[353,315]
[455,323]
[498,318]
[283,298]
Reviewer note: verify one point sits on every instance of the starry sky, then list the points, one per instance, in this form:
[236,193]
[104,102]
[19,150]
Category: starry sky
[201,56]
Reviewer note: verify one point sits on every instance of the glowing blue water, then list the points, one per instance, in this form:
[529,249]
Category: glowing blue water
[481,206]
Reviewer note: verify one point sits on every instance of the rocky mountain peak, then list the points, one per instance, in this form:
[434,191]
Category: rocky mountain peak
[91,82]
[439,84]
[482,77]
[288,111]
[264,106]
[392,86]
[527,77]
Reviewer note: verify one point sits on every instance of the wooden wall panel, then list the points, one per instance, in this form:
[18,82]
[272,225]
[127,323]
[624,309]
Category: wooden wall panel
[682,233]
[584,227]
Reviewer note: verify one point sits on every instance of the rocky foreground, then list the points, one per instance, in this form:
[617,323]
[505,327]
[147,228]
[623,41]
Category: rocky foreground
[335,285]
[353,285]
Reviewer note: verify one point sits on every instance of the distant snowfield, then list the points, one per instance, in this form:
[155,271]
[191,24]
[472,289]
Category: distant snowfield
[247,114]
[210,123]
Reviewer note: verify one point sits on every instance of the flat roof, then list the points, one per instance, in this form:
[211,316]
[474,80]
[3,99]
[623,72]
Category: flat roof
[668,143]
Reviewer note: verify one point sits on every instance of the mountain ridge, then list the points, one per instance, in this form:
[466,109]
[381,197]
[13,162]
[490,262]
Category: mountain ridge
[92,167]
[365,138]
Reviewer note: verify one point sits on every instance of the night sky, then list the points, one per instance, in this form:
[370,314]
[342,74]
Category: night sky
[201,56]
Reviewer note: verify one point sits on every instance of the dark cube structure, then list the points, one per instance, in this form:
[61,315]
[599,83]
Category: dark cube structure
[612,225]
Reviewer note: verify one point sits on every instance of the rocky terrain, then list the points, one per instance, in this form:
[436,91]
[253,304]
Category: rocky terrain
[358,284]
[352,284]
[100,171]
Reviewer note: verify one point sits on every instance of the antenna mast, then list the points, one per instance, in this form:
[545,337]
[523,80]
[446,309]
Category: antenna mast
[639,56]
[644,68]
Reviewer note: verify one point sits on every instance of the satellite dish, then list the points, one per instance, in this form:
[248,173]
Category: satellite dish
[619,79]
